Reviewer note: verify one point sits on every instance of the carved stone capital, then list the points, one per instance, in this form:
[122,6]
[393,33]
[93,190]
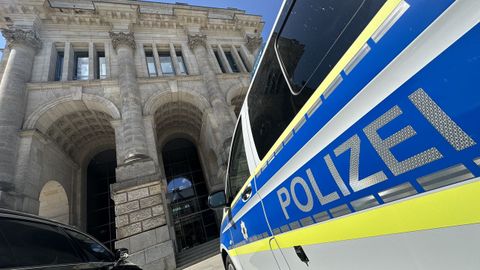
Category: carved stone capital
[19,36]
[197,40]
[253,43]
[127,39]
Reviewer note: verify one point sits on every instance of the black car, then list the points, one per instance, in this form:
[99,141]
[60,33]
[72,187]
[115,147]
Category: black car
[31,242]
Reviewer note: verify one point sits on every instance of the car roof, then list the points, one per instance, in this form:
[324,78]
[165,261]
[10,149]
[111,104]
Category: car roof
[31,217]
[7,213]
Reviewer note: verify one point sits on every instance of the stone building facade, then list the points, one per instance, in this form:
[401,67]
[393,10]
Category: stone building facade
[95,96]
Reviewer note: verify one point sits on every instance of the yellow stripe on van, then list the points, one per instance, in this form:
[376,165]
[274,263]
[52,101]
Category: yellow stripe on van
[456,206]
[374,24]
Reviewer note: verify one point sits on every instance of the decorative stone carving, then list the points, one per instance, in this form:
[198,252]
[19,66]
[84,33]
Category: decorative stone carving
[253,43]
[197,40]
[19,36]
[121,38]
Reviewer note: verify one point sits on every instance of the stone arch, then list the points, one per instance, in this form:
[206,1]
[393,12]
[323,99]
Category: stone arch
[51,111]
[76,124]
[54,202]
[160,98]
[177,113]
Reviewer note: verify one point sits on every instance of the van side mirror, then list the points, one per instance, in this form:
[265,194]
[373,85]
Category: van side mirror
[217,200]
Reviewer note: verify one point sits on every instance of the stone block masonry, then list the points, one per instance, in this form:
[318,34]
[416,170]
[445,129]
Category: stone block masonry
[141,226]
[138,209]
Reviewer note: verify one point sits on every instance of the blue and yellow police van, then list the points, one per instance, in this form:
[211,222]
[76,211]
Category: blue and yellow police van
[357,146]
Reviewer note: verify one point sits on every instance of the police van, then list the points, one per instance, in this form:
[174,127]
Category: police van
[357,146]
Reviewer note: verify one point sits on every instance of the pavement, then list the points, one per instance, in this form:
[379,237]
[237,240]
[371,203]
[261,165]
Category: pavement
[212,263]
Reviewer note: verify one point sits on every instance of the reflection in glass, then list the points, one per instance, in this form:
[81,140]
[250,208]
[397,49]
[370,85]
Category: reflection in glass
[219,61]
[59,66]
[152,69]
[81,67]
[181,64]
[231,62]
[317,34]
[194,223]
[166,64]
[102,66]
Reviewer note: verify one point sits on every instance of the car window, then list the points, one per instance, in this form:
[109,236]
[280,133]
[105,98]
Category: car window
[94,251]
[317,33]
[37,244]
[238,171]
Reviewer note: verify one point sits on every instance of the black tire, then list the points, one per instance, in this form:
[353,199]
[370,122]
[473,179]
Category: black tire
[229,264]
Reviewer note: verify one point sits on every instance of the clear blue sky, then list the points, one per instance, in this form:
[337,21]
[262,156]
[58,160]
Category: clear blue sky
[268,9]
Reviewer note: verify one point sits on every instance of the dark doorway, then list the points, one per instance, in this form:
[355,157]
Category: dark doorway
[100,206]
[194,222]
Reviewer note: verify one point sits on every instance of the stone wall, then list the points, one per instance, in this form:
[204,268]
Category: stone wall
[141,226]
[57,125]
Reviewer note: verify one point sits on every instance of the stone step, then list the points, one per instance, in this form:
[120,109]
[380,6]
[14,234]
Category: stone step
[197,253]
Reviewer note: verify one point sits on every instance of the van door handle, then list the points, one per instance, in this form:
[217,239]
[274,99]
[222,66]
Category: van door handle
[247,193]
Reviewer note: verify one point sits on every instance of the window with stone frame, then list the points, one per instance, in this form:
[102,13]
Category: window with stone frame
[166,63]
[231,61]
[219,61]
[101,66]
[151,66]
[59,66]
[81,66]
[182,68]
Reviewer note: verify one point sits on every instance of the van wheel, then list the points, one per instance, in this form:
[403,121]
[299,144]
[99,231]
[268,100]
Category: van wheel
[229,264]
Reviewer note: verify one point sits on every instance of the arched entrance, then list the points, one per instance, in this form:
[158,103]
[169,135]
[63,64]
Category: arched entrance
[79,131]
[194,222]
[100,206]
[54,202]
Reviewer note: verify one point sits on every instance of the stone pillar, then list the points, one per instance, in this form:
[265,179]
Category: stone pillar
[224,60]
[173,54]
[237,57]
[222,123]
[141,226]
[23,46]
[133,130]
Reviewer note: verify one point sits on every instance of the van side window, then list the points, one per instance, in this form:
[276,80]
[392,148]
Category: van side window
[271,105]
[238,171]
[36,244]
[317,33]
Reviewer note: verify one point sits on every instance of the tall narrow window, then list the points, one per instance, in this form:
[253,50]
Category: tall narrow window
[166,63]
[152,69]
[81,66]
[244,62]
[59,66]
[102,66]
[231,62]
[219,61]
[181,64]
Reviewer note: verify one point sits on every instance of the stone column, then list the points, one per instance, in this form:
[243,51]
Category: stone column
[23,46]
[222,123]
[133,130]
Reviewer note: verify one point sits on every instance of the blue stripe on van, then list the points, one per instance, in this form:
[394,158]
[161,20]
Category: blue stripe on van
[451,81]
